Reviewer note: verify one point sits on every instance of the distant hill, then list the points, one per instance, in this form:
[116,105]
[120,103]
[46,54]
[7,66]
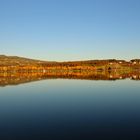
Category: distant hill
[15,60]
[19,61]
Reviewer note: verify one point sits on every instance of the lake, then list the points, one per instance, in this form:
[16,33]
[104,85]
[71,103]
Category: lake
[70,109]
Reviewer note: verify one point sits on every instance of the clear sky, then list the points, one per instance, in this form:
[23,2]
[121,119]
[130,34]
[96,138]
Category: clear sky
[70,29]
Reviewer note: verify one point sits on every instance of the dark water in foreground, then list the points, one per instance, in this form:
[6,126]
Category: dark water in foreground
[70,109]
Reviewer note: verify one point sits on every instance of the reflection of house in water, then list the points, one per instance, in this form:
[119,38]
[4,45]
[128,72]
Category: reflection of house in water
[135,76]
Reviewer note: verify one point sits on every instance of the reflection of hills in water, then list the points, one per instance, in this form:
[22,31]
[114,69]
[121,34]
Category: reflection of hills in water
[15,78]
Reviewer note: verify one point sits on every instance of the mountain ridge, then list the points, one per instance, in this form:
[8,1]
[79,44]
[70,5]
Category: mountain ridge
[4,57]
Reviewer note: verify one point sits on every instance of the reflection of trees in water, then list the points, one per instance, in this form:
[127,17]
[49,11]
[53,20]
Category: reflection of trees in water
[14,78]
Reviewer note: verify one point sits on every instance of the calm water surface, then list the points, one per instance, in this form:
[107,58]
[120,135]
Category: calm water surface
[70,109]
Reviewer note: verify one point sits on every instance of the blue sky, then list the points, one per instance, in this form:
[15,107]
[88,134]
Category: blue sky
[64,30]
